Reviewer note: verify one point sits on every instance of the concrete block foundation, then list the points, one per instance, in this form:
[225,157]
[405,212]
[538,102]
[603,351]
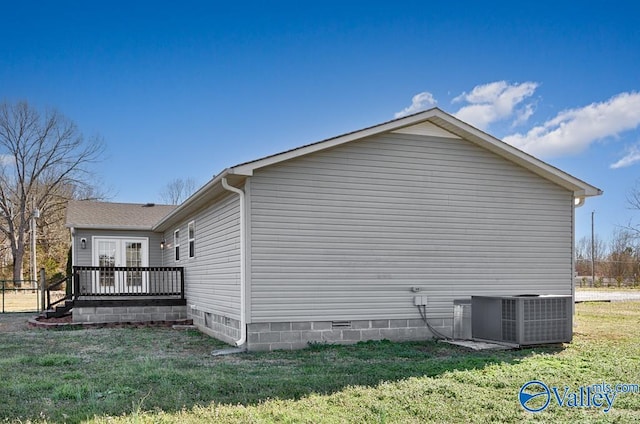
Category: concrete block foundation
[298,335]
[216,325]
[121,314]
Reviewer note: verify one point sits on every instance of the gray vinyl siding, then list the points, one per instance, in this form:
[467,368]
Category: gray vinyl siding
[212,277]
[346,233]
[83,257]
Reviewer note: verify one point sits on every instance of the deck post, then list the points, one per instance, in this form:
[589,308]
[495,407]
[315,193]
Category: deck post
[182,283]
[75,280]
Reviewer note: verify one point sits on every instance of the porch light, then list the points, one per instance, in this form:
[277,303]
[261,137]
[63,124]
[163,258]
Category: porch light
[83,243]
[162,243]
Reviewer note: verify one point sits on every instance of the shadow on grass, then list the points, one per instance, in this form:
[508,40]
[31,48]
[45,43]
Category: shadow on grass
[325,369]
[74,375]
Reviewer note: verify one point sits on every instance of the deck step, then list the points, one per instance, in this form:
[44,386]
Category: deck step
[59,310]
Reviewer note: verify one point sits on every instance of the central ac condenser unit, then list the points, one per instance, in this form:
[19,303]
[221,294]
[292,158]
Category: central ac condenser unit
[522,320]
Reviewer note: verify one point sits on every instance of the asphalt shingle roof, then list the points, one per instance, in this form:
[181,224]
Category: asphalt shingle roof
[106,215]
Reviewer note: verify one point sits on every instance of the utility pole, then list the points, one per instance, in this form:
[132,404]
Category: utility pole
[593,251]
[34,264]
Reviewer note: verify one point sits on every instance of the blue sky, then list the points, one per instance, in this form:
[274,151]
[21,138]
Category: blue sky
[185,89]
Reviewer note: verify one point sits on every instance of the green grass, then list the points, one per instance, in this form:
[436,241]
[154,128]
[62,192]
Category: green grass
[627,288]
[163,375]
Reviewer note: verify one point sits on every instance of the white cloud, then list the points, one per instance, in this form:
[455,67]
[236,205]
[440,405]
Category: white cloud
[632,156]
[486,93]
[569,132]
[573,130]
[419,102]
[496,101]
[523,115]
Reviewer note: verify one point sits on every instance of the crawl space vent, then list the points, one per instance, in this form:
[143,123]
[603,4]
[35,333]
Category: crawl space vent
[340,325]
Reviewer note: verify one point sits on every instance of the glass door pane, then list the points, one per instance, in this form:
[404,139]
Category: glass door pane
[133,255]
[107,258]
[128,255]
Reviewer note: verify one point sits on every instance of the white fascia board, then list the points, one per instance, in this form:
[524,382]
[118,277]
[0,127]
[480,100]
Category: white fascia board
[452,125]
[111,227]
[509,152]
[193,202]
[248,168]
[436,117]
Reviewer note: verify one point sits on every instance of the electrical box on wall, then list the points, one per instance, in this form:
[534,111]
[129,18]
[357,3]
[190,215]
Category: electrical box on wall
[420,300]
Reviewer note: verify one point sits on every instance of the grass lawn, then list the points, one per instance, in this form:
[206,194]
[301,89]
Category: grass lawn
[163,375]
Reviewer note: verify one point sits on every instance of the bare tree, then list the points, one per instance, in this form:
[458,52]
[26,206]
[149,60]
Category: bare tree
[177,190]
[633,200]
[583,255]
[620,261]
[42,156]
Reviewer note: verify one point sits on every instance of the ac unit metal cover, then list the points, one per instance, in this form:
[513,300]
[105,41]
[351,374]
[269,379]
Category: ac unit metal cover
[523,320]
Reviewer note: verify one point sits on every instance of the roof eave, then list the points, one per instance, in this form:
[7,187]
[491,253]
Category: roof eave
[435,115]
[110,227]
[197,200]
[580,188]
[447,122]
[247,169]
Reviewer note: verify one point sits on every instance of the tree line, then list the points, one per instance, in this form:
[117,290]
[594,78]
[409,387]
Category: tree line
[615,263]
[45,161]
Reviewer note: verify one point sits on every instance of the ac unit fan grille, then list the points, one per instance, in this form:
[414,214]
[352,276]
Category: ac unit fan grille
[542,309]
[509,320]
[544,319]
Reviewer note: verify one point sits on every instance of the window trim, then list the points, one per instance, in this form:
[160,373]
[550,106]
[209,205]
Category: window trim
[176,245]
[121,240]
[191,238]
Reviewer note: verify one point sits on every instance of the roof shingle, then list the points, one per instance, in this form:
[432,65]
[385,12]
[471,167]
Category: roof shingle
[106,215]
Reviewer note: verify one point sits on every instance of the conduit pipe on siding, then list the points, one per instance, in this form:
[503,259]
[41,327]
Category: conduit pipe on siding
[243,323]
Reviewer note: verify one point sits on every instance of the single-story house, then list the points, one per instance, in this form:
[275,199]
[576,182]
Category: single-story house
[369,235]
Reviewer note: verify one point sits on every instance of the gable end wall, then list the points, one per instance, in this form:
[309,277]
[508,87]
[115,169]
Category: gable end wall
[345,234]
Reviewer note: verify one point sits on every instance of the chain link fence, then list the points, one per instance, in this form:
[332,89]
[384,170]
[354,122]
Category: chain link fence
[20,296]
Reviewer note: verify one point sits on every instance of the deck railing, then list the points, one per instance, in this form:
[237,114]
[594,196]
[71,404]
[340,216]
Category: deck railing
[55,287]
[128,281]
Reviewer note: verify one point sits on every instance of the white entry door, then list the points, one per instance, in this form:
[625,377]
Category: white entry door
[121,252]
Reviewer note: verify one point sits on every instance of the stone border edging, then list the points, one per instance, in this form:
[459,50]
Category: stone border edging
[34,322]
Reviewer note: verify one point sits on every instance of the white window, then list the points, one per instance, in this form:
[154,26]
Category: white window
[176,243]
[192,239]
